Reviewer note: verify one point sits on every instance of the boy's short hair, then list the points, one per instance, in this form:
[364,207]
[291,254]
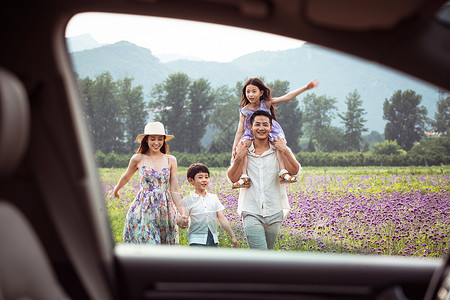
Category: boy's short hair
[260,113]
[196,168]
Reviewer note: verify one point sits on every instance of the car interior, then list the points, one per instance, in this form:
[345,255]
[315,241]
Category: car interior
[55,240]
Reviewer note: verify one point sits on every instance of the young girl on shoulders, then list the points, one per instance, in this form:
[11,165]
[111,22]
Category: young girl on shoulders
[256,96]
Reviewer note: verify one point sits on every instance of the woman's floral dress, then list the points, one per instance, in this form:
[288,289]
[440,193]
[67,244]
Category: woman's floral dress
[151,218]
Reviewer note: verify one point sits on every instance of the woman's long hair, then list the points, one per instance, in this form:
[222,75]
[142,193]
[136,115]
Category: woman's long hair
[265,96]
[144,146]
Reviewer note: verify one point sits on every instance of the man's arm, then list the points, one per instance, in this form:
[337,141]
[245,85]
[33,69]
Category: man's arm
[235,170]
[290,163]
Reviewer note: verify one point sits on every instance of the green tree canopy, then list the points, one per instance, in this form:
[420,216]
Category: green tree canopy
[183,107]
[318,113]
[133,111]
[310,147]
[330,139]
[224,120]
[406,119]
[103,112]
[171,100]
[441,121]
[85,87]
[353,121]
[201,100]
[372,138]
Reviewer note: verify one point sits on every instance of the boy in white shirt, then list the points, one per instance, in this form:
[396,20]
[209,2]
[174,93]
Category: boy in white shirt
[204,210]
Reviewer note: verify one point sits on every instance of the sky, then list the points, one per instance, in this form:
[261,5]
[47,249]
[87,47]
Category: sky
[165,36]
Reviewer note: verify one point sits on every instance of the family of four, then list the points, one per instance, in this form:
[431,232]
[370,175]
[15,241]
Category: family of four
[261,164]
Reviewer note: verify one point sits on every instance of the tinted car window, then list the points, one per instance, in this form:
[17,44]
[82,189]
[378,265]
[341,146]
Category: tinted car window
[372,142]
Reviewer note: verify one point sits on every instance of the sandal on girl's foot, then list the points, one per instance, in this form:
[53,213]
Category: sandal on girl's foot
[243,182]
[286,177]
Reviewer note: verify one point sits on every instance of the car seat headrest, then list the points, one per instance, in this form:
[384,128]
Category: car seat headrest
[14,122]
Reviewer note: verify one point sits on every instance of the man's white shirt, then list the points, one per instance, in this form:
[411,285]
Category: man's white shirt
[266,196]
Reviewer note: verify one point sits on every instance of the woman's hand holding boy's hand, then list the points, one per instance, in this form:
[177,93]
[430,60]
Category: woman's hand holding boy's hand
[235,242]
[183,222]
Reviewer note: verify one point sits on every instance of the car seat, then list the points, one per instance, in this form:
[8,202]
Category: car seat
[25,270]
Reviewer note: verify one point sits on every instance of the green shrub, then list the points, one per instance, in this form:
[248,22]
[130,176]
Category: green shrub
[386,148]
[429,152]
[112,159]
[432,151]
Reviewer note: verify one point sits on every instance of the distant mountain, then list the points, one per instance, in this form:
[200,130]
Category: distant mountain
[122,59]
[82,42]
[338,74]
[167,57]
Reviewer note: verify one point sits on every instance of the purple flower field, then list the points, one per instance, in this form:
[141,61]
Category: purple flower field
[361,211]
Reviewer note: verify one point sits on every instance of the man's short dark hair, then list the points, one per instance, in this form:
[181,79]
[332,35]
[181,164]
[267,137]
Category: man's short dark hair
[261,113]
[196,168]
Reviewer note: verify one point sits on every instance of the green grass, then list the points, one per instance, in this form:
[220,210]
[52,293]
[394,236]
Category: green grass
[321,190]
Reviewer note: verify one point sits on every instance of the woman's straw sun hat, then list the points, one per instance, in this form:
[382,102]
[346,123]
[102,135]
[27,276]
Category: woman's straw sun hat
[154,128]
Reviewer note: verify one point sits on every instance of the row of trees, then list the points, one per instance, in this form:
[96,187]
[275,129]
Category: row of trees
[115,112]
[190,108]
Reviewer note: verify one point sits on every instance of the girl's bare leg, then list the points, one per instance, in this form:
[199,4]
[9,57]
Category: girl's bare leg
[280,160]
[244,180]
[244,166]
[284,174]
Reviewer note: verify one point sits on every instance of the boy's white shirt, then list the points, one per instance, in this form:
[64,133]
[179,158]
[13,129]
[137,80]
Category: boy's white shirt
[202,212]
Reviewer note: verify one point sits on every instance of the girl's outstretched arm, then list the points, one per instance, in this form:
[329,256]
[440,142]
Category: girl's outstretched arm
[295,93]
[126,177]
